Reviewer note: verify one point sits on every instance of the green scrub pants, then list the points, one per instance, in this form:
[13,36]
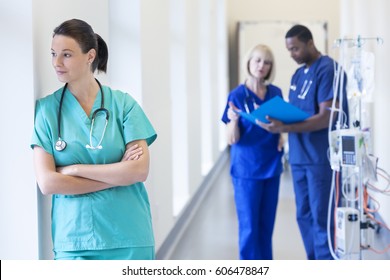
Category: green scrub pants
[132,253]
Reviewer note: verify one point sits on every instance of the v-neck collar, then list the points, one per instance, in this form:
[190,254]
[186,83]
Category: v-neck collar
[75,105]
[254,95]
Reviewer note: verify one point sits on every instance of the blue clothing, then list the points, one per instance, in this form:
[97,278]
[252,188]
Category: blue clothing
[312,190]
[256,202]
[255,155]
[308,155]
[118,217]
[307,91]
[255,169]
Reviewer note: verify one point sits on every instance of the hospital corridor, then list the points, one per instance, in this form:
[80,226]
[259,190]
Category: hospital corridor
[173,91]
[212,231]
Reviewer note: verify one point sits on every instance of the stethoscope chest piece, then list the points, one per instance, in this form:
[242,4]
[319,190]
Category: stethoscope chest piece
[60,145]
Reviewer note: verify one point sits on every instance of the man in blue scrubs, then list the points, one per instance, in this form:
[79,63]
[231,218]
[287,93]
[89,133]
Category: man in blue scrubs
[312,91]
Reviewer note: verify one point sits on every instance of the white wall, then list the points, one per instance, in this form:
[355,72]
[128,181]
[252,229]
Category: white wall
[18,193]
[140,38]
[277,10]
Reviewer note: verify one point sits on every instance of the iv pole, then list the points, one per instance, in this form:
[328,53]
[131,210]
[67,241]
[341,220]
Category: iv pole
[357,125]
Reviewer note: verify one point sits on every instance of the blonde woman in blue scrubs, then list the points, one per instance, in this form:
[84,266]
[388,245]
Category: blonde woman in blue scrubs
[255,157]
[90,146]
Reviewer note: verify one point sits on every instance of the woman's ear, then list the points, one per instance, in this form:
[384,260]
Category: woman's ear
[91,55]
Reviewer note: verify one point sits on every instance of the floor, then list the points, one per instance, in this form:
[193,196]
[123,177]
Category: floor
[212,234]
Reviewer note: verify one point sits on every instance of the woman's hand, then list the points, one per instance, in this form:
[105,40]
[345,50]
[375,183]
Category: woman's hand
[134,152]
[133,167]
[66,170]
[233,131]
[231,113]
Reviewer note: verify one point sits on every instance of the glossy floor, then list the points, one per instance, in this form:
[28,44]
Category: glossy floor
[212,233]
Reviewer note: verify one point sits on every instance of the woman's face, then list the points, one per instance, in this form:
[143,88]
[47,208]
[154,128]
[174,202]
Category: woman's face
[68,60]
[259,65]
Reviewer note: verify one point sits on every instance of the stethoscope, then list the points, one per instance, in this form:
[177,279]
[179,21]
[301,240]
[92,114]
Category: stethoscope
[308,81]
[60,145]
[248,97]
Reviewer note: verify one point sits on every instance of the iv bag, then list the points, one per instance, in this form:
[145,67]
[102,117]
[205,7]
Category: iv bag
[360,73]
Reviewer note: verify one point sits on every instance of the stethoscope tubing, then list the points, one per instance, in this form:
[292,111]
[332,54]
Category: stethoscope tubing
[247,96]
[60,144]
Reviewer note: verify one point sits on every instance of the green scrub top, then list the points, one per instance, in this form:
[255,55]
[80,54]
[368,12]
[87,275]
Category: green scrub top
[118,217]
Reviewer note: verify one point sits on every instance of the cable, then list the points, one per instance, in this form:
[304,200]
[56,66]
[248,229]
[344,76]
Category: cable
[380,252]
[332,251]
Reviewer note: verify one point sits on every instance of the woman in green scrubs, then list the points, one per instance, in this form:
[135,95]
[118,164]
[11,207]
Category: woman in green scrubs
[100,207]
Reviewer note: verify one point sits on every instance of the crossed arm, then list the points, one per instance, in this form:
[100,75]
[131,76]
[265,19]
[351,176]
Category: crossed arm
[86,178]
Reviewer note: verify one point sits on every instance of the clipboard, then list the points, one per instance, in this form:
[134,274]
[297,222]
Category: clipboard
[276,108]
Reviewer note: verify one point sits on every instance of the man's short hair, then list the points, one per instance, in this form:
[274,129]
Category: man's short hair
[302,32]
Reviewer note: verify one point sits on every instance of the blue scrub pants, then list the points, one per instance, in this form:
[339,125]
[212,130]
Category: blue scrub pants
[312,185]
[256,202]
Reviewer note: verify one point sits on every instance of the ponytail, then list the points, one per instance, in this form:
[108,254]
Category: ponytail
[100,62]
[83,33]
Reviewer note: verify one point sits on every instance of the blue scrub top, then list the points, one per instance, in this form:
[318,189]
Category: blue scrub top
[307,90]
[255,155]
[114,218]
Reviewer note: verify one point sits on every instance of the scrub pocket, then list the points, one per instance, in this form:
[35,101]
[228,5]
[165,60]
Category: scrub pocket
[72,219]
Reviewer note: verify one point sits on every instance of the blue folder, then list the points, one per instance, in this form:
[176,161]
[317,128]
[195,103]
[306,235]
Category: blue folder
[276,108]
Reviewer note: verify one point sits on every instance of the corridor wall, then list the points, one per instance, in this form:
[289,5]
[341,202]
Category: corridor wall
[18,193]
